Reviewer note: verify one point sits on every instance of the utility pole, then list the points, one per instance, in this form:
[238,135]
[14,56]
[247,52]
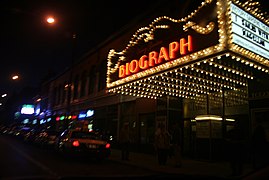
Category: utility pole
[70,80]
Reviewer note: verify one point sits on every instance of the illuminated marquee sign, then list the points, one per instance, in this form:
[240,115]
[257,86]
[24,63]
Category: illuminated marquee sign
[164,44]
[154,58]
[249,32]
[216,46]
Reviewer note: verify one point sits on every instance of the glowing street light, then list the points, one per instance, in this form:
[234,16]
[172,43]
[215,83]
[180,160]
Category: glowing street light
[15,77]
[50,20]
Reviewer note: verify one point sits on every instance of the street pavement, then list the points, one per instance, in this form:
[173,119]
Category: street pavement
[189,166]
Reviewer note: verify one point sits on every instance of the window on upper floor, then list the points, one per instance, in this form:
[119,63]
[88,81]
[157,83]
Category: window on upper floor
[102,76]
[76,84]
[83,83]
[92,79]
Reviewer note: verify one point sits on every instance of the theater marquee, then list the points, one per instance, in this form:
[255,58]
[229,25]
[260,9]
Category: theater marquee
[249,32]
[215,47]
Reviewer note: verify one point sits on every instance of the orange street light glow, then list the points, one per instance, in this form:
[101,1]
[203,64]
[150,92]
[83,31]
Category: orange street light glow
[50,20]
[15,77]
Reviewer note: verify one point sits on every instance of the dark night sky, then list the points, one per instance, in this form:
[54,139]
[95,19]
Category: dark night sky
[31,48]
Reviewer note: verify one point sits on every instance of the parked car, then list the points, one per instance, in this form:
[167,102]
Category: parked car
[83,143]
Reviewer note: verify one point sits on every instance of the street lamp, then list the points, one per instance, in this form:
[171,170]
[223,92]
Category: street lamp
[15,77]
[50,20]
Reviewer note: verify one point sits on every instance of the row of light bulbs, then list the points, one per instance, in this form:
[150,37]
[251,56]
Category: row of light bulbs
[230,99]
[253,8]
[162,67]
[165,78]
[153,26]
[165,83]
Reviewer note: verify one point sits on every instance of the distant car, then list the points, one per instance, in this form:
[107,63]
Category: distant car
[83,143]
[46,138]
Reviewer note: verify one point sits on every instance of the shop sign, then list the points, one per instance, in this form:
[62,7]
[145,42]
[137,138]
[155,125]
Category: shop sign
[249,32]
[154,58]
[81,115]
[90,113]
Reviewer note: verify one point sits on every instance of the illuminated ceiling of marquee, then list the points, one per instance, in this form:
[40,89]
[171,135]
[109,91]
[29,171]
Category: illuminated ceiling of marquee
[203,77]
[210,75]
[197,80]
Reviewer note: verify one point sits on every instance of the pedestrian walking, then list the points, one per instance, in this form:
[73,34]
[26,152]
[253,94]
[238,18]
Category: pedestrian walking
[176,144]
[260,146]
[162,144]
[124,140]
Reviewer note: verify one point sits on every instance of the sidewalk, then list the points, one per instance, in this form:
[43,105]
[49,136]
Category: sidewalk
[189,166]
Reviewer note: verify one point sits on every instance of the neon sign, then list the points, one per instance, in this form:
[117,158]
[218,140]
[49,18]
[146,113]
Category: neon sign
[27,109]
[154,58]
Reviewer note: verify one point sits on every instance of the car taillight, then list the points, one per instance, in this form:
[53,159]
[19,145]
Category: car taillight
[107,145]
[75,143]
